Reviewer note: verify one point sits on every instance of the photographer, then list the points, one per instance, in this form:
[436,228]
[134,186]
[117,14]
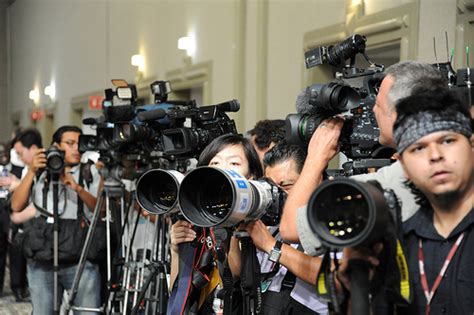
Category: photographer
[401,80]
[433,136]
[287,284]
[228,152]
[78,187]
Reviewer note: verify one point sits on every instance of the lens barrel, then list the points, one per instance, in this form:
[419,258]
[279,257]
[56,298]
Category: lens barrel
[157,191]
[210,196]
[55,160]
[346,213]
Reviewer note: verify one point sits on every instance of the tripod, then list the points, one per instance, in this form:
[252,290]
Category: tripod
[112,188]
[159,267]
[55,182]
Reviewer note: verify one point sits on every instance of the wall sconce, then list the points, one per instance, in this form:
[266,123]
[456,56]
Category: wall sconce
[50,91]
[187,43]
[138,61]
[34,96]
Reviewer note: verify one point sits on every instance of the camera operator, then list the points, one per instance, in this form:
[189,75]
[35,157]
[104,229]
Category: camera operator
[401,80]
[78,188]
[288,283]
[433,136]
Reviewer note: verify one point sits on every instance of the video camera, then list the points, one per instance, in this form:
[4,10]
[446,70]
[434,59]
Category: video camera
[359,136]
[164,135]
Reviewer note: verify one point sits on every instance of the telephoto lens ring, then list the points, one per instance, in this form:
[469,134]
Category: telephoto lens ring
[347,213]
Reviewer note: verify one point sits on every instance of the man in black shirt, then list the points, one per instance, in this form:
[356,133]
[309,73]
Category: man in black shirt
[434,139]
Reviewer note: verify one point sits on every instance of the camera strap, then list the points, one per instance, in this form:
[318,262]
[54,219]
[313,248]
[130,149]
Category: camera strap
[326,283]
[179,296]
[250,278]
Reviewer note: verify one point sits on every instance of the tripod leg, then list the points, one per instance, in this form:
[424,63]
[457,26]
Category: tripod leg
[154,257]
[127,267]
[85,251]
[120,275]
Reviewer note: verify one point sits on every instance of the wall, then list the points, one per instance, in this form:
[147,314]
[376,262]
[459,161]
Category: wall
[436,18]
[4,130]
[255,46]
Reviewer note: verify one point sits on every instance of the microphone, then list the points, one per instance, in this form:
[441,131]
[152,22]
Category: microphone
[302,103]
[229,106]
[151,115]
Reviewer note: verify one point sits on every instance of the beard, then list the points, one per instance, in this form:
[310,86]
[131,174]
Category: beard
[446,199]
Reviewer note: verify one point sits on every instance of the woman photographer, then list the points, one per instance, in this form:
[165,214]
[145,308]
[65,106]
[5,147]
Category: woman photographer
[228,152]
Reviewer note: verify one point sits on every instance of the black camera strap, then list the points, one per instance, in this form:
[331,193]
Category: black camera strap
[250,278]
[326,283]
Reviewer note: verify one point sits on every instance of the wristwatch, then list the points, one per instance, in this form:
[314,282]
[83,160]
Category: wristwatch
[275,253]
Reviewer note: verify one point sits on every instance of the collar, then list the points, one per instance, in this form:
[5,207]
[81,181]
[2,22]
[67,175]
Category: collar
[421,224]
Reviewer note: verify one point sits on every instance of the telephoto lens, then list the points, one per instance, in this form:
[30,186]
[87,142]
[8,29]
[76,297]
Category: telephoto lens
[347,213]
[157,191]
[210,196]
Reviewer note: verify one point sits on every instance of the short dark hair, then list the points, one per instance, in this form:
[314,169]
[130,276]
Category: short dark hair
[268,131]
[213,148]
[58,134]
[282,152]
[29,137]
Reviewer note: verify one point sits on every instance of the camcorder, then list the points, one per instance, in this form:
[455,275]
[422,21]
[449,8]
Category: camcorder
[360,133]
[162,135]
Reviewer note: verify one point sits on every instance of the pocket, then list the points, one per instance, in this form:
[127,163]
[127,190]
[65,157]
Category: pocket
[465,285]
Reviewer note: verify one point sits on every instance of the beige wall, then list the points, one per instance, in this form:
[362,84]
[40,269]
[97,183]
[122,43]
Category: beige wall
[255,47]
[3,71]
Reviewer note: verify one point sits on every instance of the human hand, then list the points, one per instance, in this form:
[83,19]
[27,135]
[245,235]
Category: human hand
[181,232]
[69,180]
[7,180]
[260,235]
[365,254]
[324,142]
[39,160]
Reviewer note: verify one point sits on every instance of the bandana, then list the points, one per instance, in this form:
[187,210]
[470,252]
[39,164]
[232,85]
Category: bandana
[419,125]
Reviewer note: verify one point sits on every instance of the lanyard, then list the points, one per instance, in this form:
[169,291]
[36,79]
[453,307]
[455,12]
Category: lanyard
[424,282]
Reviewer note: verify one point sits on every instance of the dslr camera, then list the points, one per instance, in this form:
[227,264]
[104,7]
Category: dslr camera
[55,160]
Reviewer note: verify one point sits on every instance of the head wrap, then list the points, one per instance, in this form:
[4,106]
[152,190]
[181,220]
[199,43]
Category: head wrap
[413,127]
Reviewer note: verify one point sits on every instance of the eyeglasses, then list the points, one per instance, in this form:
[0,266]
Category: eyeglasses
[71,143]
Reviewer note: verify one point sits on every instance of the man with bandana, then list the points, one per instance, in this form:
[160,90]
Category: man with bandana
[433,134]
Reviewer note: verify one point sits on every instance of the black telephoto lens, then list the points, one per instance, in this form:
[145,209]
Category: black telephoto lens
[347,213]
